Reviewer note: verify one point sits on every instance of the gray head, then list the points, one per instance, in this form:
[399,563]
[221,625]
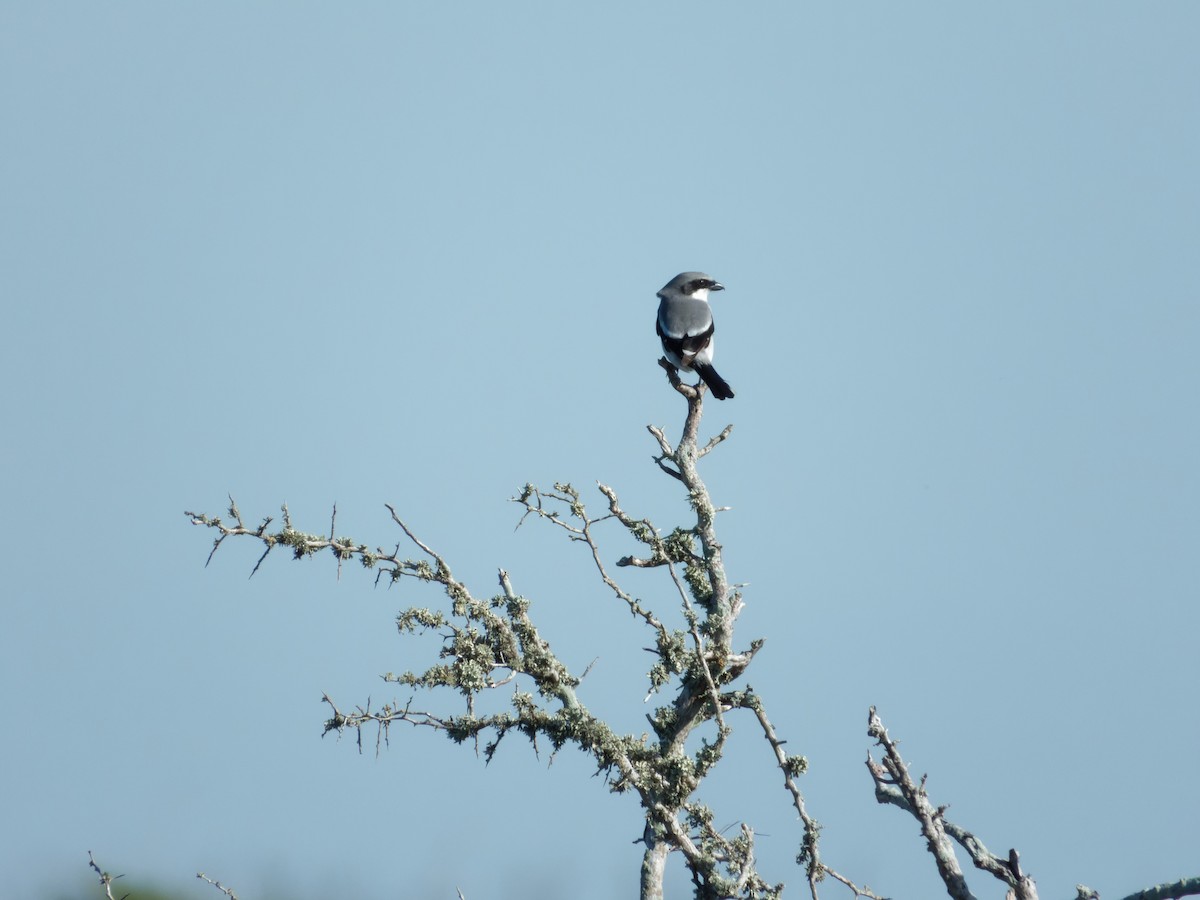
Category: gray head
[690,284]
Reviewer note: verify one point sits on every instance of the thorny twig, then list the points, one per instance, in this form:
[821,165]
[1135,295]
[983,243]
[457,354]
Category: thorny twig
[533,499]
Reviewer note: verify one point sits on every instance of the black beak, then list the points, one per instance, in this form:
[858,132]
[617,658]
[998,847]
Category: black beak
[716,286]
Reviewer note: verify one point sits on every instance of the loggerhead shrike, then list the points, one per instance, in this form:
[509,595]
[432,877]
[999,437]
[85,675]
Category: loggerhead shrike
[685,324]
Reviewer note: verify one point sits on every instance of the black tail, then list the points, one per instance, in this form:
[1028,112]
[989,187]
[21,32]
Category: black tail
[719,386]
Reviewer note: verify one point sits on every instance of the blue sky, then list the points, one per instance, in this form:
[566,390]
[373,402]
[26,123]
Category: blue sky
[408,253]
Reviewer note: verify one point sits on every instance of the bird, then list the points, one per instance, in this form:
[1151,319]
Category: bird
[685,325]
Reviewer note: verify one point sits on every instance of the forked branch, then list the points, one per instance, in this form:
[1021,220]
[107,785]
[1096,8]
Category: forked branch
[894,785]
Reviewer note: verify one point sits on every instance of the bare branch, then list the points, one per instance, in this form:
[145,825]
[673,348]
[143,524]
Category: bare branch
[668,452]
[864,891]
[894,785]
[1184,887]
[713,442]
[792,766]
[106,879]
[663,443]
[227,891]
[893,773]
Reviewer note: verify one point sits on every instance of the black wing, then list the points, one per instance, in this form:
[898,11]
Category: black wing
[687,346]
